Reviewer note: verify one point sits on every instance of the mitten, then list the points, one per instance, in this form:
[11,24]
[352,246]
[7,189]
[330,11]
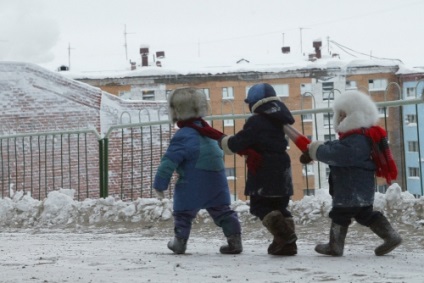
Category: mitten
[160,195]
[305,158]
[253,159]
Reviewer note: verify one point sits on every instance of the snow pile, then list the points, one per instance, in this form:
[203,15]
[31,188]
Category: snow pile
[60,209]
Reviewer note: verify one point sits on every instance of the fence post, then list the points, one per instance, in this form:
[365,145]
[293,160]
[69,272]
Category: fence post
[103,167]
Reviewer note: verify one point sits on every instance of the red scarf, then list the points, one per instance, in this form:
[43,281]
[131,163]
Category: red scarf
[380,152]
[253,160]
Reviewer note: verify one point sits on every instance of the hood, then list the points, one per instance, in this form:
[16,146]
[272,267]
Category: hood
[360,109]
[276,110]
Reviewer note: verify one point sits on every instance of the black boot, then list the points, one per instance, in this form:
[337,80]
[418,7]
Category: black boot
[337,240]
[283,232]
[384,230]
[234,245]
[177,245]
[288,249]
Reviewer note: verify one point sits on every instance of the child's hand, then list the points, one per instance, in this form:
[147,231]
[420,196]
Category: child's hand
[160,195]
[305,158]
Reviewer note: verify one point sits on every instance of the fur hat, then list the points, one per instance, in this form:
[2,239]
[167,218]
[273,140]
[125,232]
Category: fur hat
[258,93]
[360,109]
[187,103]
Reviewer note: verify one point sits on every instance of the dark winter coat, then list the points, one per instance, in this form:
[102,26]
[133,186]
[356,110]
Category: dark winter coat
[263,132]
[352,170]
[198,160]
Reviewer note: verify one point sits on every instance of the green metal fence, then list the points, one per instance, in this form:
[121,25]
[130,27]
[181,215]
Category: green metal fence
[122,163]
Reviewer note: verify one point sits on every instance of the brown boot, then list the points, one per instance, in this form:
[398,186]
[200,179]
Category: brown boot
[384,230]
[284,242]
[337,240]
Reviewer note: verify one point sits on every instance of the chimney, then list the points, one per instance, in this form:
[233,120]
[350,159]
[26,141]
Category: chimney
[317,45]
[133,65]
[160,54]
[144,52]
[285,49]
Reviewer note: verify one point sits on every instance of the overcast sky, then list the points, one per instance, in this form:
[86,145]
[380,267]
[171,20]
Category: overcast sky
[41,31]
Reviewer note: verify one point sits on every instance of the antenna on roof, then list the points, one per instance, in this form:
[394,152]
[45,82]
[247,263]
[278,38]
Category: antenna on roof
[301,48]
[69,55]
[125,40]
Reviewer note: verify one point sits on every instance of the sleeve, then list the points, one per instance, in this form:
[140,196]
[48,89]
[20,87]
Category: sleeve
[176,153]
[243,139]
[344,153]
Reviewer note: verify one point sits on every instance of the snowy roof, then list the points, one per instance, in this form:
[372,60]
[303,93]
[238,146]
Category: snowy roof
[222,65]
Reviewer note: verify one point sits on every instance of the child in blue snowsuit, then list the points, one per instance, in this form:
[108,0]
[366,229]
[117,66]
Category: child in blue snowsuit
[202,182]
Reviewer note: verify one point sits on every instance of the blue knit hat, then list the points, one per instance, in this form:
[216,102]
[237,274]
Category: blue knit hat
[259,92]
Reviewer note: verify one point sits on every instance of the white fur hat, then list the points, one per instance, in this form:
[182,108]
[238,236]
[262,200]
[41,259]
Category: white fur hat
[360,109]
[187,103]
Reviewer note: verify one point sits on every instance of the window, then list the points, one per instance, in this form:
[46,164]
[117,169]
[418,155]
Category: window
[228,123]
[227,93]
[381,188]
[351,85]
[281,90]
[148,94]
[383,112]
[307,117]
[230,172]
[328,120]
[309,192]
[206,91]
[328,91]
[167,93]
[413,146]
[329,137]
[305,88]
[411,119]
[378,84]
[414,172]
[309,169]
[410,92]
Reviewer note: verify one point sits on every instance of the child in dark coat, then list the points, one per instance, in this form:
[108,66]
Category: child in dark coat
[270,185]
[352,173]
[202,182]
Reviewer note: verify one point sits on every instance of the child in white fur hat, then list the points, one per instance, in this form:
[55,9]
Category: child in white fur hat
[352,172]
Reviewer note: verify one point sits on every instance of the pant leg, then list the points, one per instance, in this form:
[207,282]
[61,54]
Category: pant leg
[182,222]
[367,216]
[226,218]
[261,206]
[342,215]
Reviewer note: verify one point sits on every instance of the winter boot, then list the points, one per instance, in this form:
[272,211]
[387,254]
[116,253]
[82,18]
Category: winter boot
[283,233]
[337,240]
[177,245]
[384,230]
[234,245]
[288,249]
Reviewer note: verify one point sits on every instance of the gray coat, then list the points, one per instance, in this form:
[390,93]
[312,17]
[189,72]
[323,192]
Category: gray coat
[352,170]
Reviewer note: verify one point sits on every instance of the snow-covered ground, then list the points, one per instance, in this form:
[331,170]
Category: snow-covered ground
[107,240]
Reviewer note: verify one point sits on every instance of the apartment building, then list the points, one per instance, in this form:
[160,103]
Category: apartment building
[413,132]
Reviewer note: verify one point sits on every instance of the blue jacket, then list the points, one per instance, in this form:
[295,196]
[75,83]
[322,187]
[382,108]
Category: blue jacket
[351,170]
[198,160]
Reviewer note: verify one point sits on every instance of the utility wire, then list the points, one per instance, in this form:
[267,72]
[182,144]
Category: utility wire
[342,47]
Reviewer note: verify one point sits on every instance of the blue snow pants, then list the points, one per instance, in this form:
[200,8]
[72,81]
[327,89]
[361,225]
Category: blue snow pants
[223,216]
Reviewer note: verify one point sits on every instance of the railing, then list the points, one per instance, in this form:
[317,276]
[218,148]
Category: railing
[121,164]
